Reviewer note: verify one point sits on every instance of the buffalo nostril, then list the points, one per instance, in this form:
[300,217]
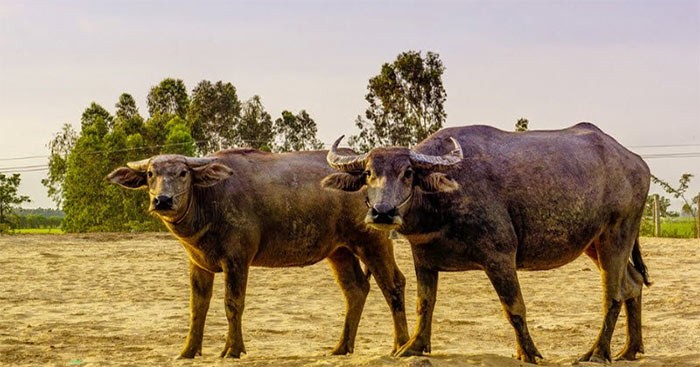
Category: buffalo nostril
[163,202]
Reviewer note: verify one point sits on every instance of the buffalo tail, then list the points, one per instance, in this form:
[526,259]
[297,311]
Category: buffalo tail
[638,262]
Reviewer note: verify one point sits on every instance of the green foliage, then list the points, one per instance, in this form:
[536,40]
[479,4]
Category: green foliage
[127,114]
[59,147]
[168,98]
[178,140]
[255,128]
[295,132]
[664,204]
[96,119]
[405,102]
[521,125]
[9,198]
[213,115]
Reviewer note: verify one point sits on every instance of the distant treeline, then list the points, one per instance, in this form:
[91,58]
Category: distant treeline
[38,218]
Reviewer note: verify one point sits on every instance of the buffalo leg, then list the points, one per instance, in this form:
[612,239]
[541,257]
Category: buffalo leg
[634,345]
[201,282]
[504,279]
[612,261]
[633,309]
[427,280]
[380,261]
[355,286]
[235,281]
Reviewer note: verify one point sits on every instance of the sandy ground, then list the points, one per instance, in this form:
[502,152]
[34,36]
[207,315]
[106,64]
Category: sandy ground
[117,299]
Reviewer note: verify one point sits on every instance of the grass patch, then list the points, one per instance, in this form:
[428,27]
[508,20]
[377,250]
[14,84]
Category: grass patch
[670,227]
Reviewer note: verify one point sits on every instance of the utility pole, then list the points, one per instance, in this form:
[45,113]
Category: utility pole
[657,219]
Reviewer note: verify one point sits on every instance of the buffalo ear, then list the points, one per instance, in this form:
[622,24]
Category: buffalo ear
[343,181]
[128,178]
[437,182]
[210,174]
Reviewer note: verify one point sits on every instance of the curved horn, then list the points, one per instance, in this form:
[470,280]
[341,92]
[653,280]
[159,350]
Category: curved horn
[198,162]
[346,163]
[438,162]
[140,166]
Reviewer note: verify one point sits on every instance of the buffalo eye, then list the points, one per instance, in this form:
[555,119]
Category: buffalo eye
[183,173]
[367,174]
[408,174]
[150,174]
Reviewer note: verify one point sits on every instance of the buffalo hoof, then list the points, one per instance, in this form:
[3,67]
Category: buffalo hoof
[530,356]
[232,352]
[629,353]
[413,348]
[341,350]
[595,357]
[189,354]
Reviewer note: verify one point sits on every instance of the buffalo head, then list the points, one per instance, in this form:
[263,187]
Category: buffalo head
[169,180]
[391,176]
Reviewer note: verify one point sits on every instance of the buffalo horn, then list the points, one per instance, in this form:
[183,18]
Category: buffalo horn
[438,162]
[347,163]
[140,166]
[198,162]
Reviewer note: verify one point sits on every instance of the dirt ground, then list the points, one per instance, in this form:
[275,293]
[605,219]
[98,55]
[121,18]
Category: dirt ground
[122,300]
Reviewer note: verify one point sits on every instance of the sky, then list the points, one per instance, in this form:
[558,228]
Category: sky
[630,67]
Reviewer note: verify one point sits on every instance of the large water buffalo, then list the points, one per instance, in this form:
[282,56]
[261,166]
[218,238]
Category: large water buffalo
[244,207]
[477,197]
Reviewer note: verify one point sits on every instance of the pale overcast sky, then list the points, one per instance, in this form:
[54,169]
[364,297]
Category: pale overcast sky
[631,67]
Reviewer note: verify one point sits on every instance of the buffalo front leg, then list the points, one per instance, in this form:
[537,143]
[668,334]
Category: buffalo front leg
[427,280]
[235,281]
[504,279]
[201,282]
[380,261]
[355,286]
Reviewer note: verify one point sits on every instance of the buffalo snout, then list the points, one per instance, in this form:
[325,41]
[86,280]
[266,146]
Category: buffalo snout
[163,202]
[383,215]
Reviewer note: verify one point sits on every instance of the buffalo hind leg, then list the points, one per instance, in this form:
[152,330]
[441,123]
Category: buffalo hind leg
[632,288]
[380,261]
[504,279]
[201,282]
[235,281]
[632,292]
[427,281]
[612,259]
[355,286]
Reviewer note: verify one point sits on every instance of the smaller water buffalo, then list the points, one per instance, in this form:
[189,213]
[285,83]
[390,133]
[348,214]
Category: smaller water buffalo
[476,197]
[244,207]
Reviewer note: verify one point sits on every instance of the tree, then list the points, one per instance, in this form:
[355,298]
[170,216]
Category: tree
[521,125]
[690,207]
[178,139]
[405,102]
[168,98]
[127,115]
[97,118]
[213,115]
[295,132]
[9,198]
[255,127]
[664,204]
[60,146]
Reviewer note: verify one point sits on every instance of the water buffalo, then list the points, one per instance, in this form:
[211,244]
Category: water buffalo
[477,197]
[243,207]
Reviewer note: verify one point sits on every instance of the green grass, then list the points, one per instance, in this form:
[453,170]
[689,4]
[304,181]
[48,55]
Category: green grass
[670,227]
[38,231]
